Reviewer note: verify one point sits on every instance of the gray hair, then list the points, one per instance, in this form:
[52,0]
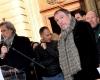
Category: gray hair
[8,25]
[67,13]
[62,10]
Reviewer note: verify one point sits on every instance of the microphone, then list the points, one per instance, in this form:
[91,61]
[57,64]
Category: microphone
[1,39]
[32,60]
[2,42]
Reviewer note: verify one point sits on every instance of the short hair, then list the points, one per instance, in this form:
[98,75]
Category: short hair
[42,29]
[63,10]
[81,12]
[8,25]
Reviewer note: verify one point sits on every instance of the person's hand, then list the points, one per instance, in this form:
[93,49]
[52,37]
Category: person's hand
[4,50]
[43,45]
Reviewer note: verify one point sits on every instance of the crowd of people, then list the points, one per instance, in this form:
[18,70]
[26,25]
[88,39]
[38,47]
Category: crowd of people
[73,55]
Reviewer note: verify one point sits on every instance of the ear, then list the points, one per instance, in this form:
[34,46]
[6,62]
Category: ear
[41,40]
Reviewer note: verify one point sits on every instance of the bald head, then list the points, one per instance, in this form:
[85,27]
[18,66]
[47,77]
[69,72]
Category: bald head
[92,18]
[91,12]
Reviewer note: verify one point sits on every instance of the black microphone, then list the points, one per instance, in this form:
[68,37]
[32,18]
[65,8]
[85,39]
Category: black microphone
[2,39]
[2,42]
[32,60]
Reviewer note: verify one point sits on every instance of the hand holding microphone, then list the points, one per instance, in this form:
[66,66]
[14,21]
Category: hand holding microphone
[4,50]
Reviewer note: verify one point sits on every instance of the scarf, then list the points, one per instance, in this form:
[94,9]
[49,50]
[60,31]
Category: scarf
[68,53]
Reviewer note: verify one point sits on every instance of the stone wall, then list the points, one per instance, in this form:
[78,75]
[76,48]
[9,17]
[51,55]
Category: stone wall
[98,6]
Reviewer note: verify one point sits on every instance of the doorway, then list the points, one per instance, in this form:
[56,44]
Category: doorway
[54,26]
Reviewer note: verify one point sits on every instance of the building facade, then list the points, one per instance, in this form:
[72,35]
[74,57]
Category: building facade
[29,15]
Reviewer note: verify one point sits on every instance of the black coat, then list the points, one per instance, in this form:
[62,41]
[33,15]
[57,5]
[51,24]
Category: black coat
[49,58]
[85,42]
[98,47]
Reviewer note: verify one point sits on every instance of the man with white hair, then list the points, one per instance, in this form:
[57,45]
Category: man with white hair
[77,47]
[11,49]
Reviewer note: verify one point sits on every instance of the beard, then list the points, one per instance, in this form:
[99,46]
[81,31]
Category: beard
[65,27]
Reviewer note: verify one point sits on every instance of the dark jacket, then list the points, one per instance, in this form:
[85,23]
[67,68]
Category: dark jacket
[98,47]
[48,58]
[86,44]
[97,32]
